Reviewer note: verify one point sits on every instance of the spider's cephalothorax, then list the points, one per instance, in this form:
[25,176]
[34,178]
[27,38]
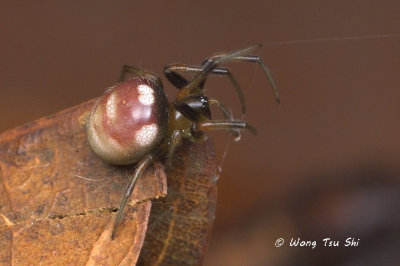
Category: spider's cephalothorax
[132,123]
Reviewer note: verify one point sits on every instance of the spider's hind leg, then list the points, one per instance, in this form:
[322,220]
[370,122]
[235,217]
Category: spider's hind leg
[126,69]
[140,169]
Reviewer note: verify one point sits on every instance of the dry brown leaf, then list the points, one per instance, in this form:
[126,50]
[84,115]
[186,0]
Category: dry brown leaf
[180,224]
[58,199]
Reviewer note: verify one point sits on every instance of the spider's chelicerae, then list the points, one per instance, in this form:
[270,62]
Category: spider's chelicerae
[133,123]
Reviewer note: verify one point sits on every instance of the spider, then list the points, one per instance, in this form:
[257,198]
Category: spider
[133,123]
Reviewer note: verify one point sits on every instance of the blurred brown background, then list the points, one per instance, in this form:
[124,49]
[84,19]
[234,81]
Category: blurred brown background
[325,162]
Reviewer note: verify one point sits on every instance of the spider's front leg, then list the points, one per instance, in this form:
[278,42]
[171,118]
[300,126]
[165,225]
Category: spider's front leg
[175,141]
[223,124]
[180,82]
[236,56]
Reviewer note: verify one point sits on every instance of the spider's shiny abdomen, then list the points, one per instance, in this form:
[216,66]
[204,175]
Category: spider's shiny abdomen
[129,121]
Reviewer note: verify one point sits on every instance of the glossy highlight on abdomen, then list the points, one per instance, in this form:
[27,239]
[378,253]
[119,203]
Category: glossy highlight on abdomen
[128,121]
